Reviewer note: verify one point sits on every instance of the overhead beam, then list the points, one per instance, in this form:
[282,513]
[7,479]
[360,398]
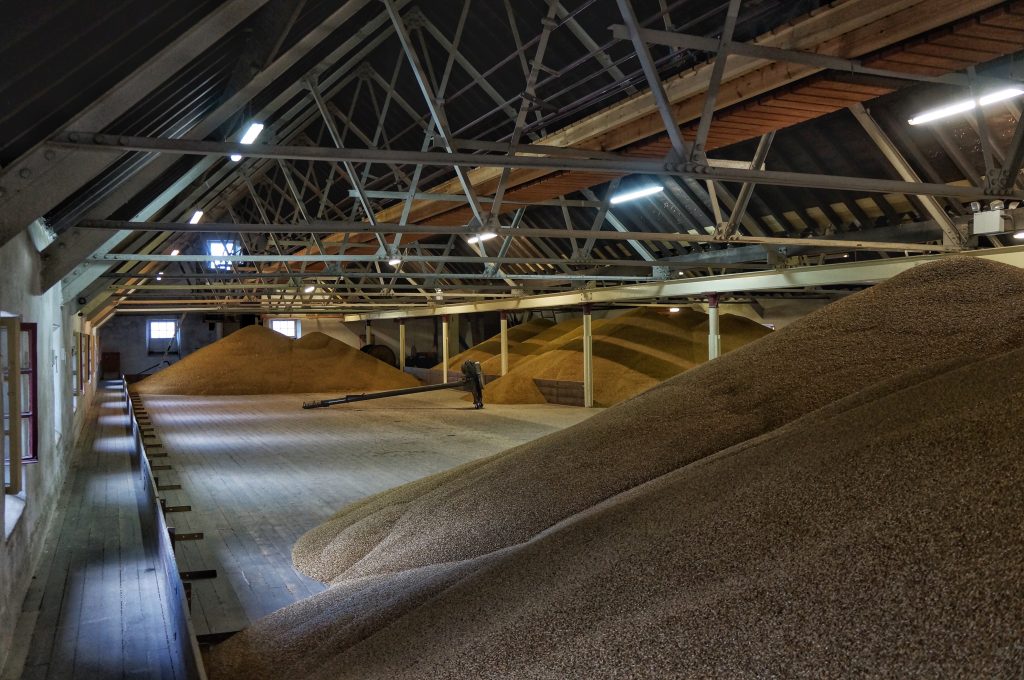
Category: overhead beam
[621,165]
[852,273]
[621,234]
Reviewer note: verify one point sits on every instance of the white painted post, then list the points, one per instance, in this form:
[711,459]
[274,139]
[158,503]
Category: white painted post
[369,332]
[444,348]
[588,359]
[401,345]
[504,343]
[714,338]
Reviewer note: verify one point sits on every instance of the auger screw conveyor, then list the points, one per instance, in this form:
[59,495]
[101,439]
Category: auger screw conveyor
[472,379]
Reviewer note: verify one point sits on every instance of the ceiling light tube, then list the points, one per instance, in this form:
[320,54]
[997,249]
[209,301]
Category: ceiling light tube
[309,289]
[479,238]
[196,216]
[636,193]
[175,252]
[252,133]
[1001,95]
[395,261]
[965,105]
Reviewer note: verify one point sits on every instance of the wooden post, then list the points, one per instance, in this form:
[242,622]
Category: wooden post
[401,345]
[504,343]
[714,338]
[13,327]
[588,358]
[444,348]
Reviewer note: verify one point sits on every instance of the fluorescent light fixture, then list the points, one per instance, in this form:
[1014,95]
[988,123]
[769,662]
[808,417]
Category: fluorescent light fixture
[175,252]
[395,261]
[252,133]
[965,105]
[196,216]
[159,278]
[309,289]
[1001,95]
[673,310]
[637,193]
[1019,236]
[479,238]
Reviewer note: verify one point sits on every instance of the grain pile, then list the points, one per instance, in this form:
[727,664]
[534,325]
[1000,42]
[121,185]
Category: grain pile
[539,343]
[632,353]
[492,346]
[257,360]
[840,497]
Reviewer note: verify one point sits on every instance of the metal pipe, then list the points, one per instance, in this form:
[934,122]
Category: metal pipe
[588,358]
[401,345]
[504,343]
[444,348]
[714,338]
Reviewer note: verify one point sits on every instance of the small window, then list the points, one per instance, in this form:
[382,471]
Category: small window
[221,249]
[162,330]
[162,336]
[18,400]
[289,327]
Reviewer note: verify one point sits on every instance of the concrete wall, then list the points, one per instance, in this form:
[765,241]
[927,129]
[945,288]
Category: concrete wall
[58,423]
[126,334]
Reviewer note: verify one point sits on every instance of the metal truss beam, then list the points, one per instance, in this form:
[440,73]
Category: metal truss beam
[904,169]
[679,146]
[64,255]
[852,273]
[620,165]
[622,234]
[435,107]
[821,61]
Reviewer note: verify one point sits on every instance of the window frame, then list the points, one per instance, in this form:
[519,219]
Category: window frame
[229,247]
[20,452]
[173,342]
[30,452]
[296,328]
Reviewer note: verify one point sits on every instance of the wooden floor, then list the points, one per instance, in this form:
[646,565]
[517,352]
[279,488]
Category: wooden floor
[259,471]
[93,610]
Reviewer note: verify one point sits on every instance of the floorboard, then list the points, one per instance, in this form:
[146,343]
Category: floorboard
[259,471]
[94,611]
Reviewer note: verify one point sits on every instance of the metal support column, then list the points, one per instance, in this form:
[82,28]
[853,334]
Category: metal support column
[714,338]
[444,348]
[401,345]
[588,358]
[504,343]
[369,332]
[454,335]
